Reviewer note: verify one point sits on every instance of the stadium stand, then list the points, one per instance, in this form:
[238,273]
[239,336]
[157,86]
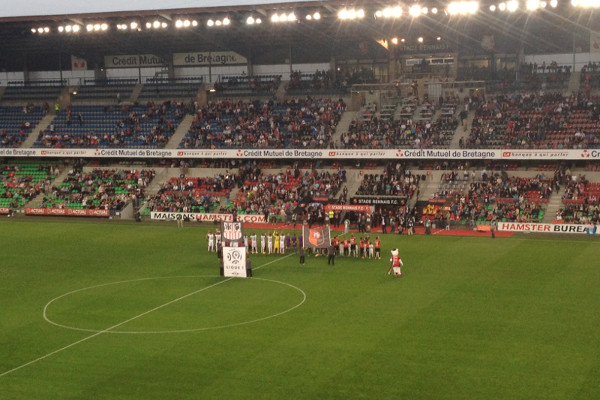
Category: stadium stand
[21,181]
[16,123]
[296,123]
[126,126]
[107,189]
[191,194]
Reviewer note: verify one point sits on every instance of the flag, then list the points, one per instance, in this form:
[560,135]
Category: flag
[78,64]
[234,262]
[232,231]
[316,238]
[594,42]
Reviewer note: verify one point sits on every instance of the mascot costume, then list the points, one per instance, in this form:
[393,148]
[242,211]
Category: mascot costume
[396,263]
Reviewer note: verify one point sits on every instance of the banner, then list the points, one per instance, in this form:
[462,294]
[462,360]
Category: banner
[348,207]
[4,210]
[234,262]
[325,154]
[75,212]
[78,64]
[316,238]
[379,201]
[546,228]
[232,231]
[594,42]
[205,217]
[206,58]
[134,61]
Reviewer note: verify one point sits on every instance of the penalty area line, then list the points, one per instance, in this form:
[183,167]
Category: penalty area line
[127,321]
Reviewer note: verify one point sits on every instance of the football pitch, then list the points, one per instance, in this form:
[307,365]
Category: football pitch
[139,311]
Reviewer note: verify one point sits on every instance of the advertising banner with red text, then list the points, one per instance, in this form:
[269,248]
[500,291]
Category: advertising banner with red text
[68,212]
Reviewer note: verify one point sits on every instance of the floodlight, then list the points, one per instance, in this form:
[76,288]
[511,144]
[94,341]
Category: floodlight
[512,5]
[414,10]
[463,7]
[250,20]
[61,28]
[395,40]
[156,24]
[179,24]
[317,15]
[226,21]
[420,39]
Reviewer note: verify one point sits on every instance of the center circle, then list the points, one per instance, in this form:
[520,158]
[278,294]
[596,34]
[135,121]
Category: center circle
[179,303]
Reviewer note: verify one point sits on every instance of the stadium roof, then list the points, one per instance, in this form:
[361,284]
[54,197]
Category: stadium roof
[553,30]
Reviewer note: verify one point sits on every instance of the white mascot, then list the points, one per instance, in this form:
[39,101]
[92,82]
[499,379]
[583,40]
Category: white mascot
[396,263]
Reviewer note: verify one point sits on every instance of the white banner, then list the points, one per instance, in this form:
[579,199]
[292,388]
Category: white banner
[546,228]
[134,61]
[594,42]
[234,262]
[78,64]
[206,217]
[206,58]
[364,154]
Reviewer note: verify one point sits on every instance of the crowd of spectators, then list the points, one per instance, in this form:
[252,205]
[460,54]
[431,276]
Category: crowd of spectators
[107,189]
[16,123]
[256,84]
[538,121]
[289,195]
[378,133]
[491,197]
[590,77]
[395,180]
[580,201]
[320,80]
[20,184]
[295,123]
[192,194]
[124,126]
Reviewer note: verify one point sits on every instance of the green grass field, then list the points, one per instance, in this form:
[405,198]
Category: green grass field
[126,311]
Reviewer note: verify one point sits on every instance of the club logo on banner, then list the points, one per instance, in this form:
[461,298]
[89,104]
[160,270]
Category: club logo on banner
[316,238]
[232,231]
[234,262]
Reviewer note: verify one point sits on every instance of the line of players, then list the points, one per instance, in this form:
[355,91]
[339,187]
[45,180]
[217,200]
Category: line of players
[364,247]
[277,243]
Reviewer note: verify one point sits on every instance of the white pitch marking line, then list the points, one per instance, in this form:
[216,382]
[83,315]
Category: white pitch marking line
[124,322]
